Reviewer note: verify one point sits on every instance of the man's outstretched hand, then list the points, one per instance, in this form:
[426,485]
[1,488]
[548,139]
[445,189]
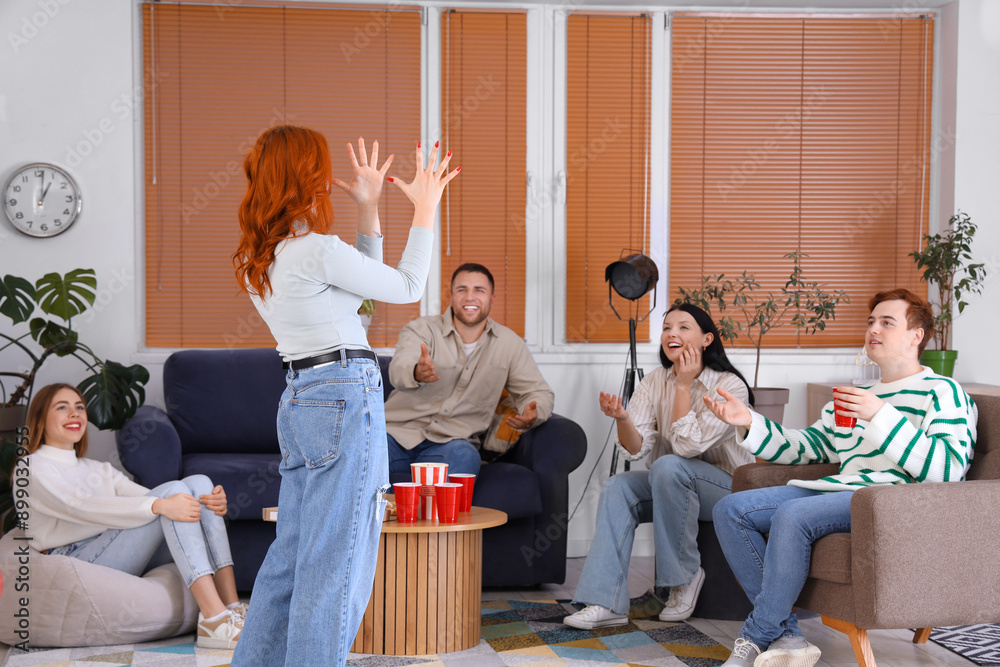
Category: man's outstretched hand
[732,410]
[424,370]
[523,421]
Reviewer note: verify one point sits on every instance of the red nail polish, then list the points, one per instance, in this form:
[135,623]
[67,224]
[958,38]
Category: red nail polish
[459,169]
[449,153]
[389,178]
[418,144]
[436,144]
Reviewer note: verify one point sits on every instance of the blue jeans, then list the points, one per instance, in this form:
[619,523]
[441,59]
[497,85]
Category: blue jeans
[675,493]
[773,573]
[198,547]
[316,580]
[460,455]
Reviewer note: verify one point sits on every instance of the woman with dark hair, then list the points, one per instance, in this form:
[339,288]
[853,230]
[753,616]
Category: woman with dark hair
[313,587]
[691,455]
[88,510]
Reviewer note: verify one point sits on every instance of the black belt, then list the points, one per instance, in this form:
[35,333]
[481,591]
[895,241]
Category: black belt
[329,357]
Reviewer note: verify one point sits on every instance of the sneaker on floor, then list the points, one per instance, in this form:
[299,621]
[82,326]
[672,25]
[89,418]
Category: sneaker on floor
[241,609]
[223,633]
[744,654]
[594,616]
[788,652]
[680,604]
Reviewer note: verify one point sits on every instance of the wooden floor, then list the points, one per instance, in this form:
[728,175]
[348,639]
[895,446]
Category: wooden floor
[893,648]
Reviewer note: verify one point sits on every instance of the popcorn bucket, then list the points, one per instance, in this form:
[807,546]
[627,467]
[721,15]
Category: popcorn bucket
[427,475]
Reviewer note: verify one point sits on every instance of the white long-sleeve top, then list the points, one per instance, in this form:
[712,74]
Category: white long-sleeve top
[699,433]
[71,499]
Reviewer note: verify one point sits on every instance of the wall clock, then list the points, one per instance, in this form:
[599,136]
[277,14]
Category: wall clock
[41,200]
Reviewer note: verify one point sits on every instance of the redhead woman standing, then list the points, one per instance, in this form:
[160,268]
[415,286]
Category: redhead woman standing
[312,589]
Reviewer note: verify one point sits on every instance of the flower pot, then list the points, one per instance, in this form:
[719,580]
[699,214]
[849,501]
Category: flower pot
[941,362]
[770,402]
[12,417]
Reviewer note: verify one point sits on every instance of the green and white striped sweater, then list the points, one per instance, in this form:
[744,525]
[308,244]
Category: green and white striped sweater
[925,432]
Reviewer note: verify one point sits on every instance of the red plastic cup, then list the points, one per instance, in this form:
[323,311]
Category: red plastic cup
[840,419]
[446,500]
[468,481]
[407,501]
[427,475]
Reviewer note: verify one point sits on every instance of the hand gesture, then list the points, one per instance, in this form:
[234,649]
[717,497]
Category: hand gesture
[216,501]
[732,411]
[424,370]
[428,183]
[688,366]
[178,507]
[523,421]
[858,403]
[611,405]
[366,185]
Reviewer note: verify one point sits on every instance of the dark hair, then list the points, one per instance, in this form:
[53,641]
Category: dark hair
[472,267]
[714,356]
[38,413]
[918,313]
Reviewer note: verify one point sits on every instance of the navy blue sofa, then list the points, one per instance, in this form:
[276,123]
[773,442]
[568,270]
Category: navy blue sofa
[220,421]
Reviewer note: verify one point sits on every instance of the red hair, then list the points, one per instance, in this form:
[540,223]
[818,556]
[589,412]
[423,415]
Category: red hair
[288,173]
[918,312]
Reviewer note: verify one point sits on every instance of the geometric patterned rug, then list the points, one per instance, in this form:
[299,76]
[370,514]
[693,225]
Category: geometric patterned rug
[978,643]
[514,632]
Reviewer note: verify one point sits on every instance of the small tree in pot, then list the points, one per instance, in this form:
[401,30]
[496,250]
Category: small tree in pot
[805,305]
[946,264]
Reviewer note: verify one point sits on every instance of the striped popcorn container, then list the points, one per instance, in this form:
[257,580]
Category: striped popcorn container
[427,475]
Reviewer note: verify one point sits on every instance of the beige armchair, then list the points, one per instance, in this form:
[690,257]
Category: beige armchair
[917,556]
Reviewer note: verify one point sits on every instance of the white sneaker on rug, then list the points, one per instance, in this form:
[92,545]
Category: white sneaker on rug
[223,633]
[743,655]
[788,652]
[680,605]
[594,616]
[241,609]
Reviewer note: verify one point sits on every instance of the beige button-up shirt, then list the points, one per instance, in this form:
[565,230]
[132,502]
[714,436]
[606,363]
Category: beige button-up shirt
[462,402]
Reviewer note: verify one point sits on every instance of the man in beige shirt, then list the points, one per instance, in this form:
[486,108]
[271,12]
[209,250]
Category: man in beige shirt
[449,371]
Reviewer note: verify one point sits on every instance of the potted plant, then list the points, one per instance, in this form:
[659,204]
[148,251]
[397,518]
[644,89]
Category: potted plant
[805,305]
[112,391]
[946,264]
[366,311]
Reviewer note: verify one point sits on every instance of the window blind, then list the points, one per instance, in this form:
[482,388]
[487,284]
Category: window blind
[808,134]
[216,77]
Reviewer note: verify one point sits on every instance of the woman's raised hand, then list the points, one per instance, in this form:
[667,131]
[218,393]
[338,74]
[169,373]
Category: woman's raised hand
[427,185]
[731,411]
[365,186]
[611,405]
[178,507]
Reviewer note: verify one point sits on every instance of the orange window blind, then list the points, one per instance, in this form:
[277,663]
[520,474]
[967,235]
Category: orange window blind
[483,113]
[809,134]
[607,167]
[216,77]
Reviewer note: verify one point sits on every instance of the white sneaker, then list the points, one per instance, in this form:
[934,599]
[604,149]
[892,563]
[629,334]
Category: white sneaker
[594,616]
[788,652]
[223,633]
[744,653]
[241,609]
[680,605]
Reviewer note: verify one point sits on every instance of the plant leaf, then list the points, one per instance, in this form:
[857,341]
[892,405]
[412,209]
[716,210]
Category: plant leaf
[17,298]
[114,394]
[62,340]
[67,296]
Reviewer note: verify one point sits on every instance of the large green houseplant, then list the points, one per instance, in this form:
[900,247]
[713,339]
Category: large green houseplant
[805,305]
[946,263]
[45,311]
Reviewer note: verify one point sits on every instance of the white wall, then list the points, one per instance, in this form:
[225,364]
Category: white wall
[70,67]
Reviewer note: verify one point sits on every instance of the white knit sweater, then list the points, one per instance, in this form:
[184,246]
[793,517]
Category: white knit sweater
[71,499]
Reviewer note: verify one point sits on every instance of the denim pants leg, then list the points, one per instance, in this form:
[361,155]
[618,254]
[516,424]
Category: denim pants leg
[626,501]
[315,582]
[684,492]
[198,548]
[773,573]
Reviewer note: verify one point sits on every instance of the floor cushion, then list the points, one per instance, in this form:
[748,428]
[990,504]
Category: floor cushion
[69,602]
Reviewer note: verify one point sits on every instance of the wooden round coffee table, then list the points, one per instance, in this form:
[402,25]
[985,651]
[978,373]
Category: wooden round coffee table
[427,596]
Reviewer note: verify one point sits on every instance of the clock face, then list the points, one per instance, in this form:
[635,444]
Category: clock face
[41,200]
